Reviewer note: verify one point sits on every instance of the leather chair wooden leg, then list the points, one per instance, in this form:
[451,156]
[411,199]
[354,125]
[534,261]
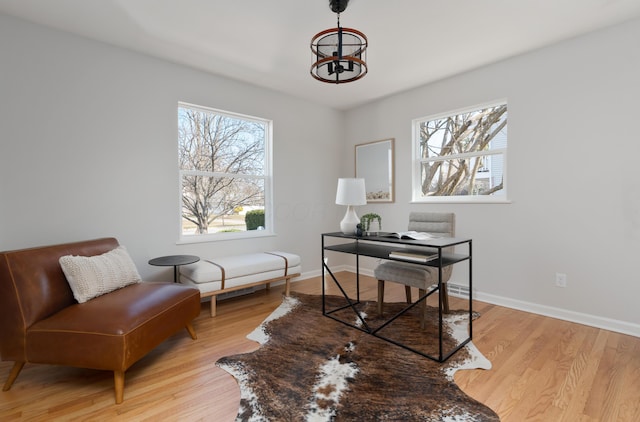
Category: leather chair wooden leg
[118,378]
[191,331]
[17,367]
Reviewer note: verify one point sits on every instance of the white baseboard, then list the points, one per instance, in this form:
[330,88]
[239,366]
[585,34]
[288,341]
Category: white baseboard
[563,314]
[534,308]
[334,269]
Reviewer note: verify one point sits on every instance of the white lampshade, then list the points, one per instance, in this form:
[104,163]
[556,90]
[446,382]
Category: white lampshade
[351,192]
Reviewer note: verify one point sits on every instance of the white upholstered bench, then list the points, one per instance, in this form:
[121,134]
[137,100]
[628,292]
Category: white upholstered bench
[222,275]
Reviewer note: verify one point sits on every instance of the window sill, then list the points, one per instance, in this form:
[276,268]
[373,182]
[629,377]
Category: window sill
[251,234]
[458,200]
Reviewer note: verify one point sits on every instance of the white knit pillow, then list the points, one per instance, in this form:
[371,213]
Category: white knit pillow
[92,276]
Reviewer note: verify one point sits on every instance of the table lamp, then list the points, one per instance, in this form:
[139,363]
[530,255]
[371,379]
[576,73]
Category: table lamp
[351,192]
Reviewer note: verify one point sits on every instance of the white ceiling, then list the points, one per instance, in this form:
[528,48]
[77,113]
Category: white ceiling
[266,42]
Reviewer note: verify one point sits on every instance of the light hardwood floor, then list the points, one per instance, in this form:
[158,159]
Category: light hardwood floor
[543,370]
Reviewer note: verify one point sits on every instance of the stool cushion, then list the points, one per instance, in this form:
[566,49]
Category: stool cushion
[407,274]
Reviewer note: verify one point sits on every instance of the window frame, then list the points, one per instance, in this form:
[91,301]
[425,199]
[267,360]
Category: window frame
[267,177]
[416,168]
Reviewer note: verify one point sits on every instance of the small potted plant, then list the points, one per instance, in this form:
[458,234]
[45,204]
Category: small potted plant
[367,220]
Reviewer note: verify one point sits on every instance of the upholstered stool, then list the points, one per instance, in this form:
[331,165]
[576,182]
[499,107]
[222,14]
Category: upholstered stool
[441,224]
[412,275]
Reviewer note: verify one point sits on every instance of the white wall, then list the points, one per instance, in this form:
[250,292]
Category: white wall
[573,157]
[88,148]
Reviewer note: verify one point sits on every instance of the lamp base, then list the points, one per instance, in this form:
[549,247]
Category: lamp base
[350,221]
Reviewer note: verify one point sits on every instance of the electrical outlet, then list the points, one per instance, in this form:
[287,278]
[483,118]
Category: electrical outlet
[561,280]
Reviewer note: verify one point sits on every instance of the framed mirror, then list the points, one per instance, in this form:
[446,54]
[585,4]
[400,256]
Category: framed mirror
[375,164]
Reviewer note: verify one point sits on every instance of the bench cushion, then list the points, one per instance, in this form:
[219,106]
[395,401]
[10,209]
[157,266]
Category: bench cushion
[261,263]
[238,282]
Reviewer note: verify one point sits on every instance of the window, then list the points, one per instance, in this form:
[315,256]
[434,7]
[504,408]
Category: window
[461,156]
[225,174]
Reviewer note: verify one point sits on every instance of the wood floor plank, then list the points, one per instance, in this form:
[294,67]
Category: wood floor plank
[584,371]
[543,369]
[630,405]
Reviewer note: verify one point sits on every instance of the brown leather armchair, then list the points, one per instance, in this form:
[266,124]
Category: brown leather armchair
[41,322]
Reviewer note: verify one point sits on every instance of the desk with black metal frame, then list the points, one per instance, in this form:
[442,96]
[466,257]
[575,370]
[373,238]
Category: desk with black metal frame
[380,247]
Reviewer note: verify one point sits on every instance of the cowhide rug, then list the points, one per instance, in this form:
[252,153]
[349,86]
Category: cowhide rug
[312,368]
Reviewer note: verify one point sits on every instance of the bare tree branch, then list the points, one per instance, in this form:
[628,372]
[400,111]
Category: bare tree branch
[459,134]
[215,143]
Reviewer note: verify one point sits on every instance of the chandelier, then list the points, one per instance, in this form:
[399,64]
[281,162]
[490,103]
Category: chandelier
[339,54]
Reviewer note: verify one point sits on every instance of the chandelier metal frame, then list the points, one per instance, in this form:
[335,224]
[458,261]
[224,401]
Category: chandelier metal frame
[339,54]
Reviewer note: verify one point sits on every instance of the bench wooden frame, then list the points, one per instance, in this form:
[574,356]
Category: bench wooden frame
[287,289]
